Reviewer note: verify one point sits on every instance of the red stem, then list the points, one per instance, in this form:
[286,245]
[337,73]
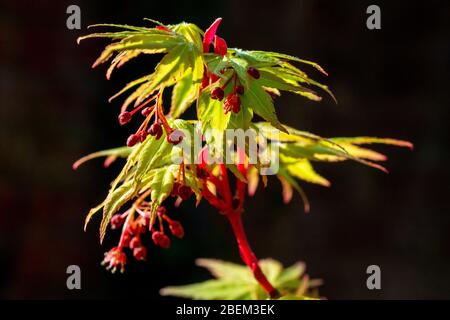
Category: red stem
[225,184]
[235,219]
[247,254]
[240,185]
[212,199]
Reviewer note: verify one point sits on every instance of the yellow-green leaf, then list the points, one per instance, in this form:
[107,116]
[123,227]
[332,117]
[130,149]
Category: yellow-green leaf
[261,103]
[303,169]
[114,202]
[121,152]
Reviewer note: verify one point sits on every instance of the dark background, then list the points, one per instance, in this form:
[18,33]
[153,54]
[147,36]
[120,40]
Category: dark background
[391,82]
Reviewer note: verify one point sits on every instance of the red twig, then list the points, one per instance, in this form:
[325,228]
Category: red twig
[213,200]
[234,217]
[247,254]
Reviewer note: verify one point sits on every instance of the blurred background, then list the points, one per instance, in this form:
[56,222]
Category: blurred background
[392,82]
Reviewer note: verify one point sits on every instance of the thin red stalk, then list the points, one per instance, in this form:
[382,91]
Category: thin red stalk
[125,225]
[226,83]
[139,107]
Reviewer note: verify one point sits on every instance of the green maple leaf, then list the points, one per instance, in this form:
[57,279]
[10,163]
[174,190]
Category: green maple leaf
[236,282]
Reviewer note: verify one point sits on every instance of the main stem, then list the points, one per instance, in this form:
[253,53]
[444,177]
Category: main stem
[247,254]
[233,213]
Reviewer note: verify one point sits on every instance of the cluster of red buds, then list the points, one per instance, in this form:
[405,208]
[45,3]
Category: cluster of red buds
[132,230]
[134,227]
[233,101]
[155,129]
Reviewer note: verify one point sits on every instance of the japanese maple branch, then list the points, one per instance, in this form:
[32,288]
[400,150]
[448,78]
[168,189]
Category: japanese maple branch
[233,215]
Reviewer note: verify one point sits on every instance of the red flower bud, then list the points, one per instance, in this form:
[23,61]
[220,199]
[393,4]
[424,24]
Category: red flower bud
[176,228]
[184,192]
[125,117]
[240,90]
[232,102]
[253,72]
[140,253]
[155,130]
[132,140]
[142,136]
[175,137]
[117,221]
[135,243]
[160,239]
[217,93]
[146,111]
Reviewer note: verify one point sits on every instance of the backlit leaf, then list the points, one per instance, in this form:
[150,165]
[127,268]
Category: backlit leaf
[214,121]
[303,169]
[233,281]
[115,200]
[121,152]
[261,103]
[185,91]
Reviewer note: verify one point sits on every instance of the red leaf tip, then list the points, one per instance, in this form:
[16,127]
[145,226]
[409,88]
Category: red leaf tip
[220,46]
[210,33]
